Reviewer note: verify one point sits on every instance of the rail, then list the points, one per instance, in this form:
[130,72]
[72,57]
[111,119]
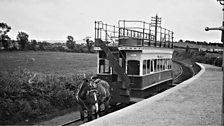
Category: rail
[137,30]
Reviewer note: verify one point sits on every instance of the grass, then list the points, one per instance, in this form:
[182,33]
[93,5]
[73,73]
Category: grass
[48,62]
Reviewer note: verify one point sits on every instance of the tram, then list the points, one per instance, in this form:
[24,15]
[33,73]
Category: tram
[135,57]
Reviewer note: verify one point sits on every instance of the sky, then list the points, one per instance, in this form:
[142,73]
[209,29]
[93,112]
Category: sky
[56,19]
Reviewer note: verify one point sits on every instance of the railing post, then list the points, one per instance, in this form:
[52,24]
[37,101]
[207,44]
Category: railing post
[149,36]
[114,31]
[106,32]
[156,20]
[100,30]
[165,37]
[169,39]
[143,36]
[123,32]
[160,37]
[95,30]
[172,39]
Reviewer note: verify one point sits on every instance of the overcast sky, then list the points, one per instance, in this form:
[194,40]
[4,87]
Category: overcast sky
[56,19]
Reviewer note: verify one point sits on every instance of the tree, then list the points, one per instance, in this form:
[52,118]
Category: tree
[187,49]
[89,43]
[70,43]
[181,40]
[33,44]
[4,38]
[22,39]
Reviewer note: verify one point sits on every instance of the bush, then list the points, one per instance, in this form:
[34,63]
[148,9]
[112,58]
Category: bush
[21,101]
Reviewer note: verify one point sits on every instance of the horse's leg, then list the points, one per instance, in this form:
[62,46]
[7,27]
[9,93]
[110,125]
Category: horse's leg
[81,113]
[100,110]
[106,104]
[95,107]
[96,110]
[90,115]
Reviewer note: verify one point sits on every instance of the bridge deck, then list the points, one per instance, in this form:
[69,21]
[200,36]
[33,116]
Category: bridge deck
[196,101]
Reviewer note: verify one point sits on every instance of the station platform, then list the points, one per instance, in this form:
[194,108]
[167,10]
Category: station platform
[196,101]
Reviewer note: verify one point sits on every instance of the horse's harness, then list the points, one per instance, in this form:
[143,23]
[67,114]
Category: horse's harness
[92,89]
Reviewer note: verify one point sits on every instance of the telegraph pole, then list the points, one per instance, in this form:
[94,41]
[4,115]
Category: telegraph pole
[222,40]
[156,21]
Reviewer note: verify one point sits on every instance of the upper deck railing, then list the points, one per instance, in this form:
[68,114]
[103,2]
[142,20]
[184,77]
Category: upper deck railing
[133,33]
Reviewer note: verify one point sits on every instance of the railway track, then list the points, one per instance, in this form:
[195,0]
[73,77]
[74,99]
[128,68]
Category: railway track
[186,72]
[71,122]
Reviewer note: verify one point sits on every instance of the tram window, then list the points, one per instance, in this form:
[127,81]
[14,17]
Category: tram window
[101,66]
[107,67]
[164,65]
[102,54]
[104,66]
[160,64]
[169,64]
[152,65]
[148,66]
[133,67]
[144,67]
[155,65]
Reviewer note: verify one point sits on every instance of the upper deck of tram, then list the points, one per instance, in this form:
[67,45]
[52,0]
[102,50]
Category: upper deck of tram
[130,33]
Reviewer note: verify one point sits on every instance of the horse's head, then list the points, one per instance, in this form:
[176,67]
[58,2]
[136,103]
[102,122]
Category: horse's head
[92,91]
[87,94]
[86,89]
[92,97]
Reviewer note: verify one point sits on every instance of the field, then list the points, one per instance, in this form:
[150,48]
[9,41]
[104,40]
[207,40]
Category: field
[53,62]
[49,62]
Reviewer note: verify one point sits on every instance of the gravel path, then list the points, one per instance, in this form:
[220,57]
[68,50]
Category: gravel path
[195,102]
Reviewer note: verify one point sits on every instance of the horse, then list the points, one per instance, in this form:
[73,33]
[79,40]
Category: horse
[91,94]
[103,93]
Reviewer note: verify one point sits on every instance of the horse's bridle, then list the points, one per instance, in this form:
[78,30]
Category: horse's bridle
[78,98]
[92,89]
[95,95]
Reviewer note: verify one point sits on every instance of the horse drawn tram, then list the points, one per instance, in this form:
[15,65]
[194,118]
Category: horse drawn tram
[135,58]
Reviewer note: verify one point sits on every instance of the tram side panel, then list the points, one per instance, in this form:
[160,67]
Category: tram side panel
[149,73]
[143,82]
